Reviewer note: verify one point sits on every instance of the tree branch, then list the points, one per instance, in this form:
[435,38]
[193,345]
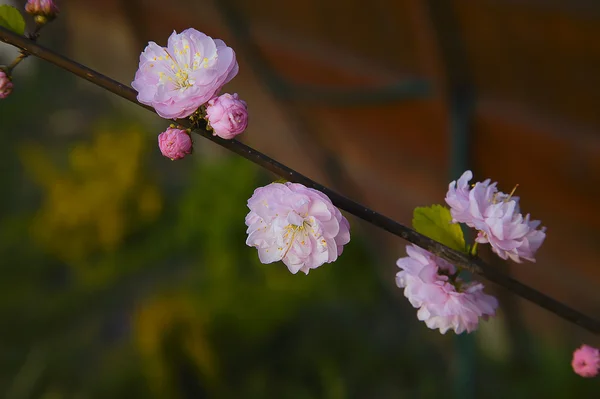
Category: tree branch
[475,265]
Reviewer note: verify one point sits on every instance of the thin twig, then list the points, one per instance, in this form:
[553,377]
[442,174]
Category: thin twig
[23,54]
[17,61]
[473,264]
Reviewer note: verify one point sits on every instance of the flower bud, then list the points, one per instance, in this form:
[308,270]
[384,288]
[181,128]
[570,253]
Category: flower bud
[6,85]
[175,143]
[43,10]
[227,115]
[586,361]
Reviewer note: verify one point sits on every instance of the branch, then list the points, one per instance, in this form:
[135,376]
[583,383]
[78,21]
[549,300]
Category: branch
[475,265]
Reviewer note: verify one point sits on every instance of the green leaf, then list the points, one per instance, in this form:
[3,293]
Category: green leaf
[11,18]
[436,223]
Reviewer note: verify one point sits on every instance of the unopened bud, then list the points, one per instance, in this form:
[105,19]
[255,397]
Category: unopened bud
[6,85]
[227,115]
[42,10]
[175,143]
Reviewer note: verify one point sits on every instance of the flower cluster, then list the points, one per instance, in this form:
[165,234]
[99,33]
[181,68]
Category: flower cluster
[6,85]
[445,302]
[184,80]
[175,143]
[496,216]
[586,361]
[297,225]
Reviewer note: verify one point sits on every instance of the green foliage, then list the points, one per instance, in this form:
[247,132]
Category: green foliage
[11,18]
[436,223]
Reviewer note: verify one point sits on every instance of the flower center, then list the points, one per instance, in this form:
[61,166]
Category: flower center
[182,80]
[180,67]
[295,220]
[298,230]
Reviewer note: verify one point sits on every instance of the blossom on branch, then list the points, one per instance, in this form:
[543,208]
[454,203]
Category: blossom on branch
[465,203]
[586,361]
[444,300]
[227,115]
[176,80]
[509,233]
[496,216]
[175,143]
[297,225]
[6,85]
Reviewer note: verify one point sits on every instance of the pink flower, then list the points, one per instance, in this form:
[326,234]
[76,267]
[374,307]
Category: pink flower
[44,8]
[444,301]
[466,205]
[295,224]
[458,197]
[175,143]
[6,85]
[586,361]
[227,115]
[497,217]
[178,79]
[509,234]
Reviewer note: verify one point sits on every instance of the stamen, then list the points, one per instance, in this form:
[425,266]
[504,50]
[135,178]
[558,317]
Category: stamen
[511,193]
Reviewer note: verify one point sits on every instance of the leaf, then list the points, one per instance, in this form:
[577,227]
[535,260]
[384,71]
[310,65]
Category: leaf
[11,18]
[436,223]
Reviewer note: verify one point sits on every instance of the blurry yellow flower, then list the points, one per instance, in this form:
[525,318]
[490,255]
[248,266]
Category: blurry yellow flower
[93,203]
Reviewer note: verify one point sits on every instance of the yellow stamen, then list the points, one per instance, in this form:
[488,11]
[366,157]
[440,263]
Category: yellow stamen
[511,193]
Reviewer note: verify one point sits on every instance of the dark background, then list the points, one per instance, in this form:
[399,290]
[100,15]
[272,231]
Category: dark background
[125,275]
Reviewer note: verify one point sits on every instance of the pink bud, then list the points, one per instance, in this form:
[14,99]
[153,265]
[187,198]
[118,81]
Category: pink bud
[227,115]
[42,8]
[175,143]
[6,85]
[586,361]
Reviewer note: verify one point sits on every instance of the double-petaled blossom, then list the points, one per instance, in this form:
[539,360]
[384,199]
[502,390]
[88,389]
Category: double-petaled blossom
[6,85]
[497,217]
[466,204]
[445,302]
[227,115]
[509,233]
[176,80]
[175,143]
[297,225]
[47,9]
[586,361]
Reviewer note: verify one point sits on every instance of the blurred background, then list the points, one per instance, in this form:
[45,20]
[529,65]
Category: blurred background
[125,275]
